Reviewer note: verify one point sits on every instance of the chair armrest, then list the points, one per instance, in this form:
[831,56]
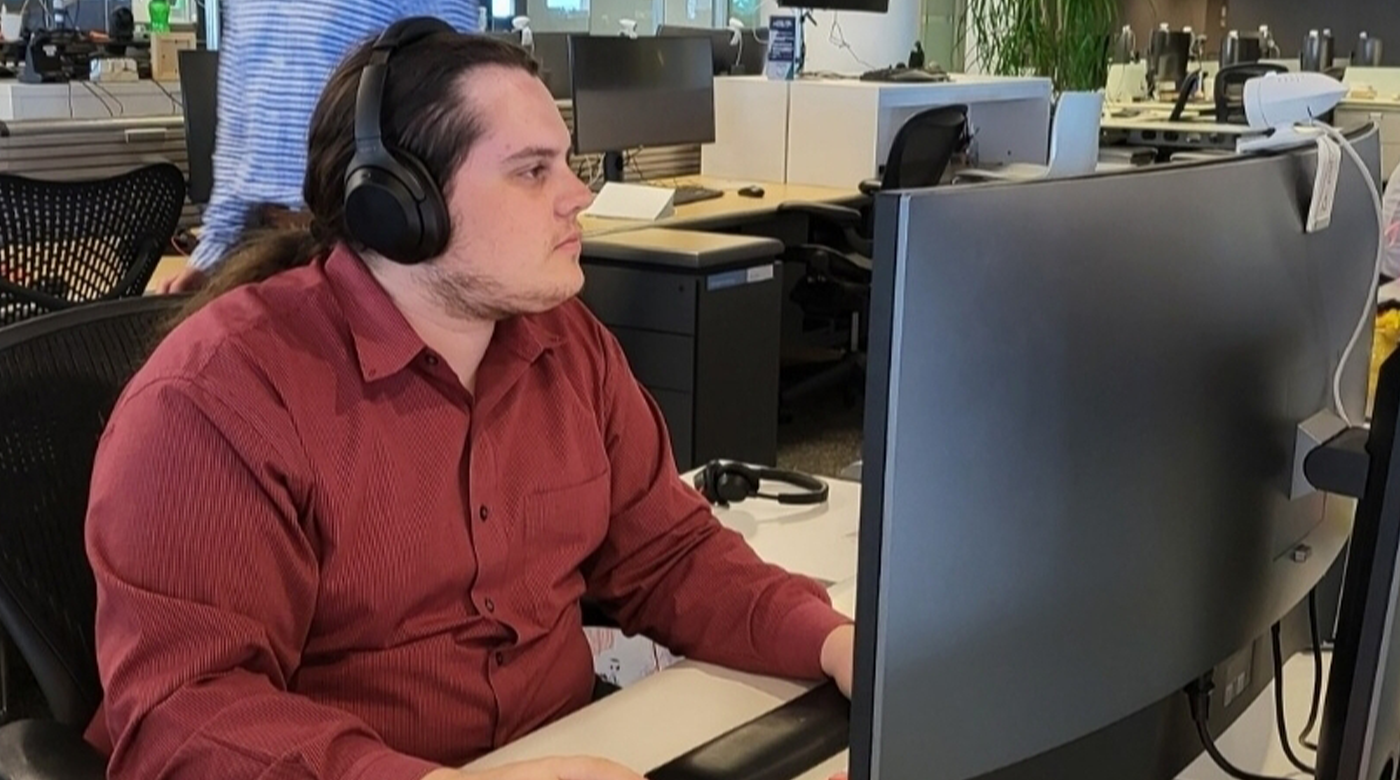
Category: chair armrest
[841,216]
[871,186]
[47,750]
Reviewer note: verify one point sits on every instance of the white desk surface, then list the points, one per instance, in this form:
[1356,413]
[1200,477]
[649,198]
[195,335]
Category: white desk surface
[817,541]
[730,206]
[1160,123]
[704,701]
[961,88]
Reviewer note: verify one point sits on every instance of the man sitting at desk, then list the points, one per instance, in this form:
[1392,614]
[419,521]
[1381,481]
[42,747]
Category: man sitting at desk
[342,520]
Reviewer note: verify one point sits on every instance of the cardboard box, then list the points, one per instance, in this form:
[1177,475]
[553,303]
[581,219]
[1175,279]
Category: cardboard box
[165,54]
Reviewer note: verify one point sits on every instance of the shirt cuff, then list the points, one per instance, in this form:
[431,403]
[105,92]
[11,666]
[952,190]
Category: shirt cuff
[377,762]
[803,631]
[207,253]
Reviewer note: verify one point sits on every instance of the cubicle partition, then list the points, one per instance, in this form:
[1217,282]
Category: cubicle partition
[93,148]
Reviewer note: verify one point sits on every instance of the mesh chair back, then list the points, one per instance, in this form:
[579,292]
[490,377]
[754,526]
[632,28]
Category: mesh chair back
[65,243]
[924,146]
[60,376]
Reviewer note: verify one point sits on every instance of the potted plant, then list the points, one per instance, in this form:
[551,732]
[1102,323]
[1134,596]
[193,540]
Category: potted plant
[1066,41]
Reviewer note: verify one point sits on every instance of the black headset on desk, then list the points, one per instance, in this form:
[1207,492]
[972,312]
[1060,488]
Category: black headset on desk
[727,482]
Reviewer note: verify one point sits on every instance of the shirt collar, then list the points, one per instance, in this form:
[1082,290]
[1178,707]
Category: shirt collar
[386,344]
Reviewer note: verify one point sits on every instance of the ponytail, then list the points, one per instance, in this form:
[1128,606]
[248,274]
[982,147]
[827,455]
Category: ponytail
[261,254]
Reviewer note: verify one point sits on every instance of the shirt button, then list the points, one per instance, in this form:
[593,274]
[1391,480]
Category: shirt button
[500,659]
[430,359]
[484,513]
[490,605]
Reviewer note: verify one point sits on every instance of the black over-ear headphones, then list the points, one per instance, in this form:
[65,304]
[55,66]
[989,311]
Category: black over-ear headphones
[392,205]
[726,482]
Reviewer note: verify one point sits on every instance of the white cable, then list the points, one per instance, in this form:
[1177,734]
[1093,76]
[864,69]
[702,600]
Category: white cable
[1369,309]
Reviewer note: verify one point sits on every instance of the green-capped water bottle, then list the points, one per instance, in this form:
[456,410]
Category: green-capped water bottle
[160,16]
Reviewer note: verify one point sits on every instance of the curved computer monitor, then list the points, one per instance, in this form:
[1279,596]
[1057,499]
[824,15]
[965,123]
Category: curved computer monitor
[1081,489]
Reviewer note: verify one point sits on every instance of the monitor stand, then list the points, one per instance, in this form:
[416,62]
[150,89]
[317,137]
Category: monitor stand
[613,165]
[1362,707]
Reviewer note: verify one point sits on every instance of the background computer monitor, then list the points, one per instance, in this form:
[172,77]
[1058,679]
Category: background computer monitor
[640,92]
[724,44]
[1079,448]
[873,6]
[199,88]
[551,50]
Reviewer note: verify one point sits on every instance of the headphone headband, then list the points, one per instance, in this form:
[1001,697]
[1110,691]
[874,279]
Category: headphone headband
[369,98]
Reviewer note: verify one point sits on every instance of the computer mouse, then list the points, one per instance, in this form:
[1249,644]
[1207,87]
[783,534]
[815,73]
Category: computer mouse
[751,191]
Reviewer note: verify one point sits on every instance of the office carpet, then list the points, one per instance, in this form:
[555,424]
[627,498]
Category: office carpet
[821,436]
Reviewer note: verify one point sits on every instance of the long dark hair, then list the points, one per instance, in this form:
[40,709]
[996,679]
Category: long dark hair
[424,114]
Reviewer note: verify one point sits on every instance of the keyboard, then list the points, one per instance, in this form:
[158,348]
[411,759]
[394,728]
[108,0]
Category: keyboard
[690,193]
[897,74]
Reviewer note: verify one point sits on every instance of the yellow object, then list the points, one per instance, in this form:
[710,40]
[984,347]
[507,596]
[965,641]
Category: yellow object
[1383,343]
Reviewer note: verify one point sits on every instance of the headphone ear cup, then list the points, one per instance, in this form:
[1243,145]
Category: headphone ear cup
[738,482]
[382,213]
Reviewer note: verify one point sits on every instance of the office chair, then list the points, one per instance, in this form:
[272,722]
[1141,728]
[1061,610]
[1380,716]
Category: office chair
[1074,144]
[63,373]
[833,293]
[66,243]
[199,90]
[1229,89]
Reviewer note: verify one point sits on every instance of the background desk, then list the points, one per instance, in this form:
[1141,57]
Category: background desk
[732,212]
[1386,114]
[838,132]
[701,701]
[85,100]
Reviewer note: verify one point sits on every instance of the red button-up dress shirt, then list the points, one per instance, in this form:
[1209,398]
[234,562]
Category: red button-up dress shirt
[318,556]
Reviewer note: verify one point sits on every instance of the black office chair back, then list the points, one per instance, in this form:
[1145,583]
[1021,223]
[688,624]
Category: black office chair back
[199,90]
[1229,89]
[923,148]
[60,376]
[65,243]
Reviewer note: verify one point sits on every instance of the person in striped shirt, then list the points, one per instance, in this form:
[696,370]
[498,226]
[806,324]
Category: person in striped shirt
[275,58]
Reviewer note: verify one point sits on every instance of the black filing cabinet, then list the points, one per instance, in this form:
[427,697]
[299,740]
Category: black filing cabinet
[698,317]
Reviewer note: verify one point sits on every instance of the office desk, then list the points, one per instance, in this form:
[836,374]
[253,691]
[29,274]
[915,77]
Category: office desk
[701,701]
[1152,129]
[1386,114]
[817,541]
[730,213]
[84,100]
[835,132]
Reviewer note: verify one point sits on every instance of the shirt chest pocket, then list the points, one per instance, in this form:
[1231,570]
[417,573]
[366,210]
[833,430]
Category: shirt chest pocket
[565,525]
[562,527]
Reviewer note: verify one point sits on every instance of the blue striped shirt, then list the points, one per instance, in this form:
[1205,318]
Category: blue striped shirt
[275,58]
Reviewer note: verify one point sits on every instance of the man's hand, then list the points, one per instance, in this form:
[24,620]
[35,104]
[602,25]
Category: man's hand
[188,280]
[838,657]
[573,768]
